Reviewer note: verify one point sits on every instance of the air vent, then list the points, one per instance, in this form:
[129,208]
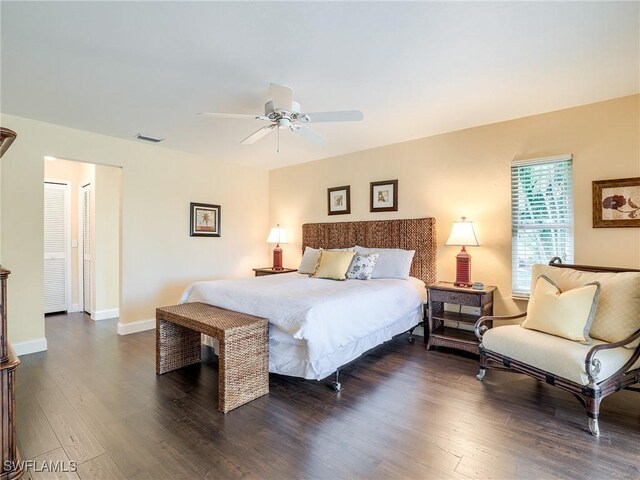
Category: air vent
[148,138]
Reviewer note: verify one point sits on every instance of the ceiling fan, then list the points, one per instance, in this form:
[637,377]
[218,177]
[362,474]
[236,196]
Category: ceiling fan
[282,112]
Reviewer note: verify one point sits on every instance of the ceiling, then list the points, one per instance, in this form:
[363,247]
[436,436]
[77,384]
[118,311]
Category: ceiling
[414,69]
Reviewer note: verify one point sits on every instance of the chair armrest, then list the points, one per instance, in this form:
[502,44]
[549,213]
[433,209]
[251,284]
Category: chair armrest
[480,328]
[592,364]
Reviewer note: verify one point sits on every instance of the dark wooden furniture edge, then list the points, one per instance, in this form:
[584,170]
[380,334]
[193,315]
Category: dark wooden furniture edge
[10,466]
[591,395]
[557,262]
[271,271]
[7,137]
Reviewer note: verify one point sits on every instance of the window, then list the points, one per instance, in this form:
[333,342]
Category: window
[541,216]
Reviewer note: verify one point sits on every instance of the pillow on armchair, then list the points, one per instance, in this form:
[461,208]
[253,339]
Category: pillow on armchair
[618,313]
[566,314]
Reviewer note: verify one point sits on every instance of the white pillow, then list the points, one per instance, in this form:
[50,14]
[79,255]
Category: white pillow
[309,260]
[362,266]
[392,262]
[348,249]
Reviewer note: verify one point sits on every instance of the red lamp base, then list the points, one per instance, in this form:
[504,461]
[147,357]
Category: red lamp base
[463,269]
[277,258]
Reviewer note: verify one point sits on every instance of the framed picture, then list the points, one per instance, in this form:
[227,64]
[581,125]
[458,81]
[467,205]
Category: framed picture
[384,196]
[339,200]
[616,203]
[205,220]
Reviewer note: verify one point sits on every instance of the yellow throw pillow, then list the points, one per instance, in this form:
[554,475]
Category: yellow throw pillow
[333,265]
[564,314]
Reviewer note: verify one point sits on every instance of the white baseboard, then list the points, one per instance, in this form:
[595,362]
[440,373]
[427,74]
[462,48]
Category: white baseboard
[98,315]
[30,346]
[74,308]
[135,327]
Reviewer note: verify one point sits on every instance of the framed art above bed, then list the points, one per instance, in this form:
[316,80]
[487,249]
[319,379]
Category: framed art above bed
[339,200]
[384,196]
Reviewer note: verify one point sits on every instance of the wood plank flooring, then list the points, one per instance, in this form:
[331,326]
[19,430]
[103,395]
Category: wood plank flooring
[94,398]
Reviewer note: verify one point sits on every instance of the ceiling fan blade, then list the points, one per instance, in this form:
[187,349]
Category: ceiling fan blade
[309,134]
[233,115]
[282,97]
[343,116]
[255,136]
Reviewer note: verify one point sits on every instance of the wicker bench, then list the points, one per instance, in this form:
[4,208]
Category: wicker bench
[244,348]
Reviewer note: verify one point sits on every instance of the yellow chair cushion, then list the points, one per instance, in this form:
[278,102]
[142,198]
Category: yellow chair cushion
[618,313]
[564,314]
[333,265]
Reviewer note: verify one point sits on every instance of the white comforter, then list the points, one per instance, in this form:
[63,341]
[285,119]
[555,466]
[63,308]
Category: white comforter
[327,314]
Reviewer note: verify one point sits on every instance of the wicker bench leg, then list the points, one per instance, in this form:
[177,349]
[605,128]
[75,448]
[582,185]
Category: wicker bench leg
[243,367]
[176,346]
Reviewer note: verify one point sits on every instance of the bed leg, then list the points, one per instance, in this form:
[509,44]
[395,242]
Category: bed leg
[336,385]
[412,339]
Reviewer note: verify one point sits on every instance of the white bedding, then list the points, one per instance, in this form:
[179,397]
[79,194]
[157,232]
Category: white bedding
[328,315]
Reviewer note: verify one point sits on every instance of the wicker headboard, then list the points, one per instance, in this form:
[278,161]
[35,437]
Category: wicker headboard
[417,234]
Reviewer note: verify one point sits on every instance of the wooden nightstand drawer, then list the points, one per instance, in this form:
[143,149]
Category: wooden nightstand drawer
[458,298]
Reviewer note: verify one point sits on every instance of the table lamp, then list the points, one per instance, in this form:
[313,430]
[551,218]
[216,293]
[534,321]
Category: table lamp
[463,234]
[277,235]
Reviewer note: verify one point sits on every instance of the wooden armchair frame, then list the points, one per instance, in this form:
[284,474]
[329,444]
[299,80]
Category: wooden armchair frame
[591,395]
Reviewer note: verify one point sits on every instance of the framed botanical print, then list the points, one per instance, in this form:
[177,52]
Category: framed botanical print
[384,196]
[616,203]
[205,220]
[339,200]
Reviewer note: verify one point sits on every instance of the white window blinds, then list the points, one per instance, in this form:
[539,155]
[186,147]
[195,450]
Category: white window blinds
[541,216]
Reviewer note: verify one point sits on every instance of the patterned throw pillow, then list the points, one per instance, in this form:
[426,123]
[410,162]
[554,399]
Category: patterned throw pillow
[362,266]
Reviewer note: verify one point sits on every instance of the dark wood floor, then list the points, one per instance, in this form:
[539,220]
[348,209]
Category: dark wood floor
[94,398]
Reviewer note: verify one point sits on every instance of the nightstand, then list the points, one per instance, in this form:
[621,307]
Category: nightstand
[443,335]
[261,272]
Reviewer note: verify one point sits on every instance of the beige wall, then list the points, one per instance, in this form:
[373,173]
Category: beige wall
[158,257]
[467,173]
[106,274]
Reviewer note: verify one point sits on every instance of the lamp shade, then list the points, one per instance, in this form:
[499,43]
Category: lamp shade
[463,234]
[277,235]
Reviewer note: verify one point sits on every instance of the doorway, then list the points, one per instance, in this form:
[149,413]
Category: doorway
[90,239]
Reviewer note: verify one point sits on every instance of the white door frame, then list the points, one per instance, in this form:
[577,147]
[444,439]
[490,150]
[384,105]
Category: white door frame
[67,234]
[81,186]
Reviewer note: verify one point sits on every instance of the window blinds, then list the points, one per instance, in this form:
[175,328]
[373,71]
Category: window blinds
[541,216]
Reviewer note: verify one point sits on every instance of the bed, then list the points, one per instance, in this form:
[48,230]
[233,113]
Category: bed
[317,326]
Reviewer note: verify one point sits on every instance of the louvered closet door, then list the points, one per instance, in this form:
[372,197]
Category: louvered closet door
[55,247]
[86,248]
